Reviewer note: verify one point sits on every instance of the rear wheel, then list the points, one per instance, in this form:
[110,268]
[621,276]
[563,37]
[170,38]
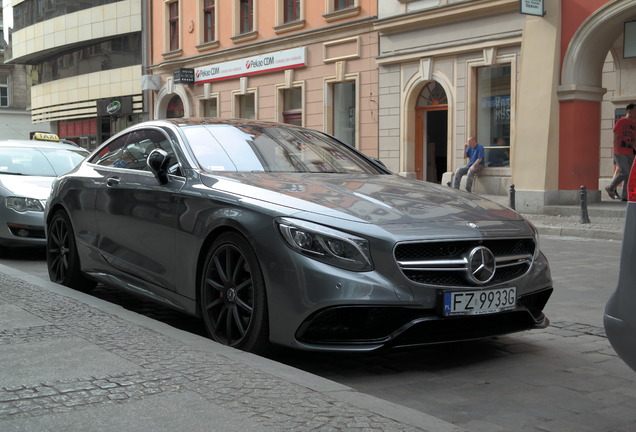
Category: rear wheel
[62,258]
[233,299]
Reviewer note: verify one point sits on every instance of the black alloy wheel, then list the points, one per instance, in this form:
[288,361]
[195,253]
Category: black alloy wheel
[62,259]
[233,300]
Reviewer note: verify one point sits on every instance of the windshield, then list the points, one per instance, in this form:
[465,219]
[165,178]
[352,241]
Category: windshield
[45,162]
[225,147]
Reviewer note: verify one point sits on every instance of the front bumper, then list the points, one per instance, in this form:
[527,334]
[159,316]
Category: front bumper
[21,229]
[367,328]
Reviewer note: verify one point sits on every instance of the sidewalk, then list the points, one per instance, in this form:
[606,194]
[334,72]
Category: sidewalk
[72,362]
[606,219]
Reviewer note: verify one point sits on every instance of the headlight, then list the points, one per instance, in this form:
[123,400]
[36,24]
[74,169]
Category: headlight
[21,204]
[327,245]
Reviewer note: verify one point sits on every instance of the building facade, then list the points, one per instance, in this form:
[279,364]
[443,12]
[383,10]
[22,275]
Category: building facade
[539,89]
[85,61]
[15,119]
[310,63]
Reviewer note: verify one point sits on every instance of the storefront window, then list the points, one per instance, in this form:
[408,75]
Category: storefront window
[344,112]
[292,106]
[4,91]
[210,108]
[493,114]
[247,108]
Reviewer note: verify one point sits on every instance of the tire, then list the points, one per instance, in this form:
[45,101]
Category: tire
[62,259]
[233,298]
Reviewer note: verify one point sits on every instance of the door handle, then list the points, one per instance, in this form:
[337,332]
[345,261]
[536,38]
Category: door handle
[112,181]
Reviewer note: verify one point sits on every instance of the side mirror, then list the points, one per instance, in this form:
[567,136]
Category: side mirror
[158,161]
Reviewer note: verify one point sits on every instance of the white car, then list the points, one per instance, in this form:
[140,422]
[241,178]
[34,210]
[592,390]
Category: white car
[619,318]
[27,169]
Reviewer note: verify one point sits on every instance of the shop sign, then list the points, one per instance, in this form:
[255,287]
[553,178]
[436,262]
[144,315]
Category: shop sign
[499,106]
[115,106]
[281,60]
[183,76]
[531,7]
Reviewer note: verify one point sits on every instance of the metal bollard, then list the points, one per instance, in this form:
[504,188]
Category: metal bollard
[511,196]
[585,219]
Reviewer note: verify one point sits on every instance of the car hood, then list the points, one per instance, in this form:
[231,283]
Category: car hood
[377,199]
[27,186]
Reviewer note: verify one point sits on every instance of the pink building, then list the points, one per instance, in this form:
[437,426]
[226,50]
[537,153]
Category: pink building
[310,63]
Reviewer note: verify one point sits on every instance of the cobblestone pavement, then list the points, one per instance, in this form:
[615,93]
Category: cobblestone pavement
[64,364]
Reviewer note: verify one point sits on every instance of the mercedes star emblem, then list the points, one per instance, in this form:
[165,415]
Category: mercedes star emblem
[481,265]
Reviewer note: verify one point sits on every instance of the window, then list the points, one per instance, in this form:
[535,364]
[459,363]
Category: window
[4,91]
[292,10]
[292,106]
[119,52]
[29,12]
[175,108]
[246,16]
[344,112]
[210,108]
[131,151]
[493,113]
[173,26]
[342,4]
[246,106]
[341,9]
[209,21]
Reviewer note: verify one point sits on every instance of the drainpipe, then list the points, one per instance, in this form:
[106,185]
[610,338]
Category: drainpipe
[146,40]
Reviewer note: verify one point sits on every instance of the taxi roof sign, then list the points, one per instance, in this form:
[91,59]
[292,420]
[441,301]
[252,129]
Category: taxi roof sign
[44,136]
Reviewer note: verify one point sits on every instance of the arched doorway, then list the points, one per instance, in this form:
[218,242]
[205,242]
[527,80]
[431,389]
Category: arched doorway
[175,108]
[173,102]
[431,133]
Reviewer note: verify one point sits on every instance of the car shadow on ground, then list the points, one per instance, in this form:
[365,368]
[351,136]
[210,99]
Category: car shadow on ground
[23,253]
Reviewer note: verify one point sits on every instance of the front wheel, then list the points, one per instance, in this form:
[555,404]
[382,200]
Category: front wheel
[233,298]
[62,259]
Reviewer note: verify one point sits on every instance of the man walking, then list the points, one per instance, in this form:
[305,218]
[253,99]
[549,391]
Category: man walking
[474,152]
[623,151]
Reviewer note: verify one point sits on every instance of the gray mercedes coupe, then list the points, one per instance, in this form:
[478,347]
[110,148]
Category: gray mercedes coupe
[282,235]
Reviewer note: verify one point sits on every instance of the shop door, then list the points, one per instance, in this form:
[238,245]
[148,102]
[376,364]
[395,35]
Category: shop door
[431,147]
[431,133]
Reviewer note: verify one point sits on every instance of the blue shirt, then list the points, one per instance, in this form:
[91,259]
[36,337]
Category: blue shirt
[475,153]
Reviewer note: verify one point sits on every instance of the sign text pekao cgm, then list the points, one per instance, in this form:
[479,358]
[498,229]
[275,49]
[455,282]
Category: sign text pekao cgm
[280,60]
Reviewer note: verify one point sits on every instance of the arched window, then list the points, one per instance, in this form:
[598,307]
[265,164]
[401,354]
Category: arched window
[175,108]
[432,94]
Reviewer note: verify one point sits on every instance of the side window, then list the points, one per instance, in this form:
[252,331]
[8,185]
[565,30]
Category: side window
[111,154]
[131,151]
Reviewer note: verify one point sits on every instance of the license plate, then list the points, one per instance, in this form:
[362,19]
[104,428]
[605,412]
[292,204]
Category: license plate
[479,302]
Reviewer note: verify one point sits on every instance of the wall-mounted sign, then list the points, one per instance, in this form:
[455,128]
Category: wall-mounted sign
[281,60]
[115,106]
[531,7]
[183,76]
